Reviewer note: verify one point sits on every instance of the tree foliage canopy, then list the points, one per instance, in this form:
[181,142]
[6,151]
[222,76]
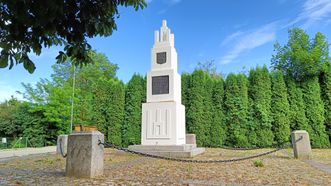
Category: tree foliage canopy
[28,26]
[326,96]
[315,112]
[135,95]
[260,101]
[301,57]
[280,108]
[236,105]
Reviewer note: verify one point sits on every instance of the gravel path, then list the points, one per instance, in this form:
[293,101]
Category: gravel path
[10,153]
[126,169]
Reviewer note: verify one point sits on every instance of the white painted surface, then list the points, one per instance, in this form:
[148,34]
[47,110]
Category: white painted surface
[163,116]
[163,124]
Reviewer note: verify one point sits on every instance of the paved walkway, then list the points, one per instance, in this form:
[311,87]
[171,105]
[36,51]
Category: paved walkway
[9,153]
[316,164]
[319,165]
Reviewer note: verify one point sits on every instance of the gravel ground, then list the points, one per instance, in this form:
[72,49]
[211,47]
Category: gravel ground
[126,169]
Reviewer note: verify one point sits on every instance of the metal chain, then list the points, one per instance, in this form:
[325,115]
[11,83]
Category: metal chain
[193,161]
[252,148]
[61,150]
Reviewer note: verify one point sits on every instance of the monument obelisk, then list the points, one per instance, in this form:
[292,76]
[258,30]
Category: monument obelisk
[163,115]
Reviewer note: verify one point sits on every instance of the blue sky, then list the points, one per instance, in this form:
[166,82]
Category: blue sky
[237,34]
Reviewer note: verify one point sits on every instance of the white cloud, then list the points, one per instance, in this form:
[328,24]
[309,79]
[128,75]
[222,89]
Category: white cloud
[313,11]
[232,37]
[244,41]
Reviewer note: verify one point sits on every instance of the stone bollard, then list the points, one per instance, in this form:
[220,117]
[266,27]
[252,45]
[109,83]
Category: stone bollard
[61,145]
[301,148]
[85,155]
[190,139]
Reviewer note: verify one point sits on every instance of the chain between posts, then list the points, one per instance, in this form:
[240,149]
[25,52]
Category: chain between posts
[252,148]
[194,161]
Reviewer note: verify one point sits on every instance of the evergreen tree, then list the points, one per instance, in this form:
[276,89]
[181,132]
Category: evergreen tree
[186,86]
[116,112]
[218,127]
[108,106]
[100,106]
[315,112]
[280,108]
[236,104]
[34,125]
[297,114]
[198,118]
[134,96]
[9,123]
[208,109]
[185,79]
[260,96]
[326,96]
[102,68]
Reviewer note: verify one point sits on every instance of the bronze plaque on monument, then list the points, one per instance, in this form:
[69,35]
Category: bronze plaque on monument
[160,85]
[161,58]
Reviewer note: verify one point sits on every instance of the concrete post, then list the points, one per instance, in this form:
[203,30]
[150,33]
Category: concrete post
[61,145]
[85,156]
[301,148]
[190,139]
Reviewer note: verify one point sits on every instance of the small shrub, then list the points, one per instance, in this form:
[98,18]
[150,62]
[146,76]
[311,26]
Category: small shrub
[189,169]
[258,163]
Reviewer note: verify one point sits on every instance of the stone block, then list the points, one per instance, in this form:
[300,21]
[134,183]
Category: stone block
[301,148]
[61,144]
[175,151]
[190,139]
[85,156]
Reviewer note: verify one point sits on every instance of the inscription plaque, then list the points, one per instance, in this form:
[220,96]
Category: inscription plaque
[160,85]
[161,57]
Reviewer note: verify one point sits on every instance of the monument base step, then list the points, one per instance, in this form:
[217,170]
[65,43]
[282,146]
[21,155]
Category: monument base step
[177,151]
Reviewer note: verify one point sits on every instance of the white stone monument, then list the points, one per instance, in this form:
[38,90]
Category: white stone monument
[163,116]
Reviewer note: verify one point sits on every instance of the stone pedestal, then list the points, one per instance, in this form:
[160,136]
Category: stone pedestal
[62,143]
[163,123]
[190,139]
[85,156]
[176,151]
[301,148]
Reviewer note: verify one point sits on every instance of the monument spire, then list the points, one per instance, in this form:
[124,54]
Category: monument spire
[163,115]
[163,35]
